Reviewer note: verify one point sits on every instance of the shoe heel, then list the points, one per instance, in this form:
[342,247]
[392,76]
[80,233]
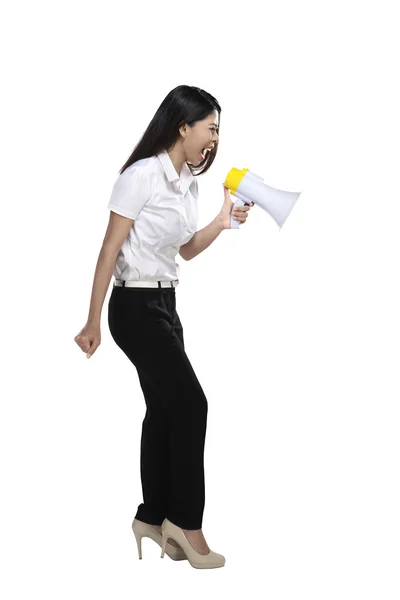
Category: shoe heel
[138,537]
[163,543]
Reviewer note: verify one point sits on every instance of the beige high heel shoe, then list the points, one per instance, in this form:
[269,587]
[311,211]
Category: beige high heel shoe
[211,560]
[142,529]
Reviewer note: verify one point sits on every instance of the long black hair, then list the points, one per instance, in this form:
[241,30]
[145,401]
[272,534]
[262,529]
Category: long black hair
[184,104]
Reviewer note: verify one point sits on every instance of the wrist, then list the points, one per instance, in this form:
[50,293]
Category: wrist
[219,222]
[95,320]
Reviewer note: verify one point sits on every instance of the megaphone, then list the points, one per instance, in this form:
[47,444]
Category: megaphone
[249,187]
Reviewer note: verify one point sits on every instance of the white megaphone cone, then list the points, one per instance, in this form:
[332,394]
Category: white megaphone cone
[249,187]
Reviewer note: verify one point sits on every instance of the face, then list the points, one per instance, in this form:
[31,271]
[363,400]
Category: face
[196,139]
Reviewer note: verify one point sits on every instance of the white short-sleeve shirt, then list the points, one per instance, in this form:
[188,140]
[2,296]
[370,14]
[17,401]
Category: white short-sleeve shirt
[165,212]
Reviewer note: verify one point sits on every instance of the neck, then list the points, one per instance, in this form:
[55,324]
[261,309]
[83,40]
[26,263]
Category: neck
[177,157]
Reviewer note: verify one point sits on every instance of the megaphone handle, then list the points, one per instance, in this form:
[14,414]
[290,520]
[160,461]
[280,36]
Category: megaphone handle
[234,222]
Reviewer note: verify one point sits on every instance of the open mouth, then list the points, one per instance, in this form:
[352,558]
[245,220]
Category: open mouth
[203,153]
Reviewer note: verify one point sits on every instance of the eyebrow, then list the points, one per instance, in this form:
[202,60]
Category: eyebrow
[215,125]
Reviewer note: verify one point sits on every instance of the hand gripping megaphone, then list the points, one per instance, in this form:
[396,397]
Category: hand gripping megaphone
[249,187]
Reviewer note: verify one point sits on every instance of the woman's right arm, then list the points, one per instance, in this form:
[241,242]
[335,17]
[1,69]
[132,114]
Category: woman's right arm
[89,338]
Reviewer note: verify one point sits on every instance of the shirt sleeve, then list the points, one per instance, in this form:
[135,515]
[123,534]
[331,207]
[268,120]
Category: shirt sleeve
[131,191]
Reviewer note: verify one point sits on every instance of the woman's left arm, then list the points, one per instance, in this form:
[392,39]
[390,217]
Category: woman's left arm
[204,237]
[201,239]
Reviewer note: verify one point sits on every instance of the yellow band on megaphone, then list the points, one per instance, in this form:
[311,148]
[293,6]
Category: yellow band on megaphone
[234,178]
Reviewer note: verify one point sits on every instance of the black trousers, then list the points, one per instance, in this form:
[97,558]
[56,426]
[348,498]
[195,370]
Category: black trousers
[144,323]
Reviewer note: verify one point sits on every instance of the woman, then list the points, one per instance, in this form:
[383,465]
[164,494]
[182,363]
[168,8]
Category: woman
[153,216]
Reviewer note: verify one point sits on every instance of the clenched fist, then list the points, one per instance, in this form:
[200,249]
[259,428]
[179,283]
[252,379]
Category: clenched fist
[89,338]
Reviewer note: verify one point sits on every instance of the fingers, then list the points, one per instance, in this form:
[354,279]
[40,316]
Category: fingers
[240,213]
[87,345]
[93,348]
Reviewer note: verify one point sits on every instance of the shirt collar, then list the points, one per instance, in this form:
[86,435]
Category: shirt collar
[186,177]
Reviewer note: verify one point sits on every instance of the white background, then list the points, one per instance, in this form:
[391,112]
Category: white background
[293,333]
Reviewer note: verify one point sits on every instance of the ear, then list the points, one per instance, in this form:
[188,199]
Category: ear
[182,129]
